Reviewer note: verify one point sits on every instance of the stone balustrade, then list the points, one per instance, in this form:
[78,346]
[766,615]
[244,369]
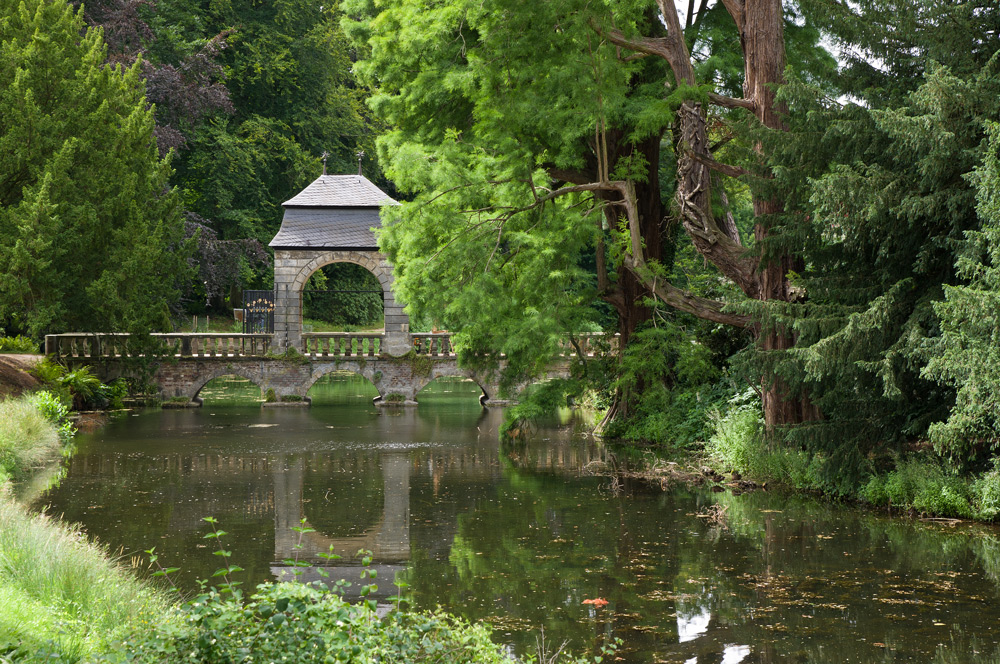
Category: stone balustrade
[102,345]
[313,345]
[341,344]
[435,344]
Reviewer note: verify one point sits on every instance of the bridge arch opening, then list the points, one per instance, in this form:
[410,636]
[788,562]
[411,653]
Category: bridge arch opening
[342,387]
[229,389]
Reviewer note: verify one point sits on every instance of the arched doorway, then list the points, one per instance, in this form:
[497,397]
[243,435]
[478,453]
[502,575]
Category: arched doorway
[331,221]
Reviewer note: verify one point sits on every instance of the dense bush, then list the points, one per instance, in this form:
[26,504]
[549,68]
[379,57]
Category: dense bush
[303,623]
[18,344]
[670,386]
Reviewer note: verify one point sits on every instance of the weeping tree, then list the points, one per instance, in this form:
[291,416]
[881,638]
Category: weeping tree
[533,137]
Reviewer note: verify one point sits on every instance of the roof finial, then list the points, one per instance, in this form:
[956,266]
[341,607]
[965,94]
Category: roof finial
[361,155]
[323,158]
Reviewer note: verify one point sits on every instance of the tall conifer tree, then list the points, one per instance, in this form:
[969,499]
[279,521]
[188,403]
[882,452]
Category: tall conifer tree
[90,232]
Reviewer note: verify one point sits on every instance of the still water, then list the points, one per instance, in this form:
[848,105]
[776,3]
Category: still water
[521,536]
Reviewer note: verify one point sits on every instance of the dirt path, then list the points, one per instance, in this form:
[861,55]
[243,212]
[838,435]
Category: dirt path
[14,376]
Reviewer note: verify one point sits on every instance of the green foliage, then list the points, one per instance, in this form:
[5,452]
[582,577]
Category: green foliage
[93,235]
[62,595]
[923,486]
[289,77]
[887,189]
[304,623]
[54,409]
[83,385]
[967,354]
[18,344]
[669,381]
[739,443]
[537,401]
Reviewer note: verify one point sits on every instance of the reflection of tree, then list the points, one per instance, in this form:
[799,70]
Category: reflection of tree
[527,556]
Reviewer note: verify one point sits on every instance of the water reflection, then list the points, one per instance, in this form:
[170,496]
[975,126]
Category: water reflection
[520,537]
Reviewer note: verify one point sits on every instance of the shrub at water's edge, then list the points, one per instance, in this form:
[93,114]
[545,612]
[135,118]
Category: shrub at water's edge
[920,482]
[62,595]
[32,428]
[300,623]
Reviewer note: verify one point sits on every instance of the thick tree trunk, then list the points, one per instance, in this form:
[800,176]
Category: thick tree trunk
[760,24]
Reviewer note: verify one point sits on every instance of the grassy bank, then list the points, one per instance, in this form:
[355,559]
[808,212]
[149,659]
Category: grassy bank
[58,592]
[62,595]
[29,433]
[918,483]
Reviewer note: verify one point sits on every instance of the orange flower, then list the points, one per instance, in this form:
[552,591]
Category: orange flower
[598,602]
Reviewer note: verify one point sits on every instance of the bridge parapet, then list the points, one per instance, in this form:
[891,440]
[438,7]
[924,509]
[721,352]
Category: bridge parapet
[81,345]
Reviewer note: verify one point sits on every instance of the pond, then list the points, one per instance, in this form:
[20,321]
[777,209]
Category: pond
[522,536]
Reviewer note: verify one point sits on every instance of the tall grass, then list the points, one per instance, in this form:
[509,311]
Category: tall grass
[61,594]
[27,437]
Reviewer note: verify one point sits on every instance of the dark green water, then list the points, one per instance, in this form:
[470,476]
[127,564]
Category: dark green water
[520,537]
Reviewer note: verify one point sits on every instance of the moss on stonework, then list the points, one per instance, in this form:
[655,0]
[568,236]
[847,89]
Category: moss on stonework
[420,365]
[290,355]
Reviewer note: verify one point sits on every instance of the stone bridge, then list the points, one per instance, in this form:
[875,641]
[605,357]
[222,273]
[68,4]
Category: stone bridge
[189,361]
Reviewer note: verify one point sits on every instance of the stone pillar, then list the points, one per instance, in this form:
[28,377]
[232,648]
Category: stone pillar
[397,322]
[288,263]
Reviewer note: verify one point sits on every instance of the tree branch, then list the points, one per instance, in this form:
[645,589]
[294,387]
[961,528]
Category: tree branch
[648,45]
[735,9]
[718,166]
[684,301]
[731,102]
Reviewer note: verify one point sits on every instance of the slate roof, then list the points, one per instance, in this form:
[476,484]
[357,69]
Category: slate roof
[334,212]
[340,191]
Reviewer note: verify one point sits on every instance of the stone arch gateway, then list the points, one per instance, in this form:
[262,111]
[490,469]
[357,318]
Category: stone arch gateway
[330,221]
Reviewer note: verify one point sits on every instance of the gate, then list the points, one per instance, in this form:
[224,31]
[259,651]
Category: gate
[258,312]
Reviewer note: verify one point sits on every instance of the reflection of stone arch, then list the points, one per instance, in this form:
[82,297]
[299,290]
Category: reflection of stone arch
[234,370]
[389,538]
